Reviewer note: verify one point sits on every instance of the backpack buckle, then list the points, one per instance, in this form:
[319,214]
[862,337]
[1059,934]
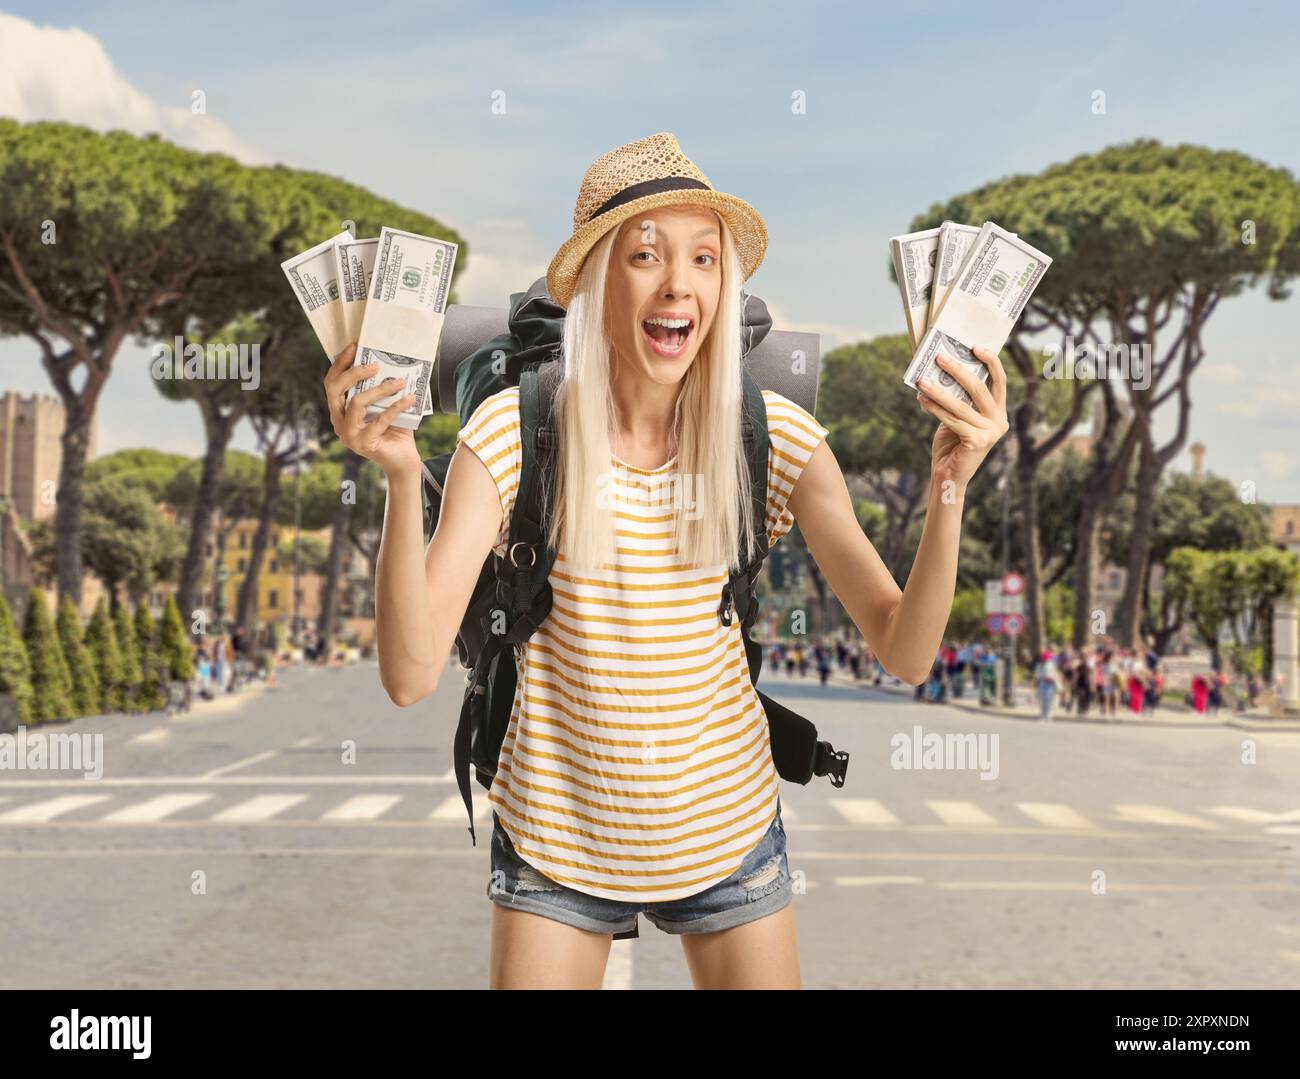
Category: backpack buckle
[724,609]
[531,550]
[831,762]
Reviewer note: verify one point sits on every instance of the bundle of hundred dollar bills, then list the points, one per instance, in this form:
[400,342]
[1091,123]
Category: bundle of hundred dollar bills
[389,294]
[963,287]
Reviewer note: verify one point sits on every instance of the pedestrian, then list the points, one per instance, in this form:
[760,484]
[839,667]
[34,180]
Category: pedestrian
[1065,667]
[203,676]
[1045,682]
[1155,689]
[1200,691]
[1136,683]
[1084,677]
[823,657]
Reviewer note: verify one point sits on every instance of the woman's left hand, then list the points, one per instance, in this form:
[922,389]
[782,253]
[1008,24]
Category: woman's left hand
[965,434]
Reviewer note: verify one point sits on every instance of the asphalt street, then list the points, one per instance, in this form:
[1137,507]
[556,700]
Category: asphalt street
[311,834]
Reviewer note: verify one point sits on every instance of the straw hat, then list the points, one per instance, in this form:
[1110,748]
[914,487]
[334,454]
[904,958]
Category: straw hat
[641,176]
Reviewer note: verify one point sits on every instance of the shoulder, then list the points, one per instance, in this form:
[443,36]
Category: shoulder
[493,426]
[791,427]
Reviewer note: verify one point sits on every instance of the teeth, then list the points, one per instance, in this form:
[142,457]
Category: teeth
[671,323]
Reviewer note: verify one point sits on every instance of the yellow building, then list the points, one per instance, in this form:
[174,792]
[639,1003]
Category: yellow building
[275,583]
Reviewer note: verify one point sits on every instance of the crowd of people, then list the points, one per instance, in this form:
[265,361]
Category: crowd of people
[1105,675]
[215,665]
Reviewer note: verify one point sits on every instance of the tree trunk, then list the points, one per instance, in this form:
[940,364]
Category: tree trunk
[246,611]
[218,429]
[69,498]
[1089,519]
[1027,494]
[338,544]
[1139,547]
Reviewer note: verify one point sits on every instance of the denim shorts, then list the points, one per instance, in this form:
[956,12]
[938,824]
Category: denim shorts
[759,887]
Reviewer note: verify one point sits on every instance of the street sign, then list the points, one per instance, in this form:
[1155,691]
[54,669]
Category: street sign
[996,601]
[993,623]
[1013,584]
[1015,623]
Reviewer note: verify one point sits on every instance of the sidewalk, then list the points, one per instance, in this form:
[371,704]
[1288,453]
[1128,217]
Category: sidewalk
[1026,707]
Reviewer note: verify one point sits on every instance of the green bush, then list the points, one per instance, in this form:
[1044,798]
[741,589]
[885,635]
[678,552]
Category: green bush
[15,668]
[174,649]
[132,676]
[51,680]
[101,640]
[153,693]
[81,664]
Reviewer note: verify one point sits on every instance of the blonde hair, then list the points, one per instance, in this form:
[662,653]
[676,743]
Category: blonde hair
[706,432]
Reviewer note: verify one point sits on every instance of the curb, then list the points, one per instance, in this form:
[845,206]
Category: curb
[1281,724]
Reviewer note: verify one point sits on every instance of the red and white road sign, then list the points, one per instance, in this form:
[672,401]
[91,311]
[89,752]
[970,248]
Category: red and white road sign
[1013,584]
[1015,623]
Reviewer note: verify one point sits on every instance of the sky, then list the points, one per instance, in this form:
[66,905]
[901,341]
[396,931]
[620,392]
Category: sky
[907,105]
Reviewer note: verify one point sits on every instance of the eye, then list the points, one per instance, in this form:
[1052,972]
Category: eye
[643,252]
[707,256]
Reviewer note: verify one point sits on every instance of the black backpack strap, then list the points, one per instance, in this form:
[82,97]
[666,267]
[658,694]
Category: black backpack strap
[798,752]
[523,589]
[738,592]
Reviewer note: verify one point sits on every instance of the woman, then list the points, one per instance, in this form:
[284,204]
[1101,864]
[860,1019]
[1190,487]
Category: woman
[610,800]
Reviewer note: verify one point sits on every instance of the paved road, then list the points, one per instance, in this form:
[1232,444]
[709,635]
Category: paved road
[312,835]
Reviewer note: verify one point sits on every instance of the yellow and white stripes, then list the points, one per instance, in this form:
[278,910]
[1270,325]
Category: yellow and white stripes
[636,765]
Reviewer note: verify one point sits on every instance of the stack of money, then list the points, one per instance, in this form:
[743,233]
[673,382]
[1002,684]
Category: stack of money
[388,294]
[962,287]
[314,276]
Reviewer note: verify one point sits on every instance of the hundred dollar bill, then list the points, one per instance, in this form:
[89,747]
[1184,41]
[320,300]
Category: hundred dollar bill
[354,267]
[403,319]
[954,247]
[1000,274]
[954,243]
[914,254]
[314,278]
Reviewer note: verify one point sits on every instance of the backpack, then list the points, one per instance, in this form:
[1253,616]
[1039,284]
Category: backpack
[517,583]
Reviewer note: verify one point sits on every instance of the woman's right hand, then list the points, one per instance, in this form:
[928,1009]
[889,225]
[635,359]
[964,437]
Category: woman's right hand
[392,448]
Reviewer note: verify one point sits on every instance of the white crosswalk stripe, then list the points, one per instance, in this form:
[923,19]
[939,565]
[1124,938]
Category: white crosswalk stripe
[1053,814]
[262,807]
[363,807]
[863,811]
[154,809]
[960,814]
[1255,816]
[50,808]
[380,808]
[1153,814]
[453,809]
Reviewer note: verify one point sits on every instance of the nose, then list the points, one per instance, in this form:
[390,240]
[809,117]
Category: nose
[675,279]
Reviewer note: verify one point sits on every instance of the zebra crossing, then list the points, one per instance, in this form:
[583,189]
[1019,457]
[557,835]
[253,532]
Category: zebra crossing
[225,805]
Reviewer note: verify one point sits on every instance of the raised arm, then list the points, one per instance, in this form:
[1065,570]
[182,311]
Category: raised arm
[420,594]
[904,628]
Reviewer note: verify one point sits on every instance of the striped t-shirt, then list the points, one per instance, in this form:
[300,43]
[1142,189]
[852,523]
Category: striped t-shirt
[636,765]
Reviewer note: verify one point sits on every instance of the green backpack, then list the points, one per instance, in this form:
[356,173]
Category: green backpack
[527,356]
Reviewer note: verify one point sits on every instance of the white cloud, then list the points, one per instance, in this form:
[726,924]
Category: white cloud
[506,257]
[52,73]
[832,335]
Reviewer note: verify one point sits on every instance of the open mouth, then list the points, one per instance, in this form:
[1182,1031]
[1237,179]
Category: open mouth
[668,337]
